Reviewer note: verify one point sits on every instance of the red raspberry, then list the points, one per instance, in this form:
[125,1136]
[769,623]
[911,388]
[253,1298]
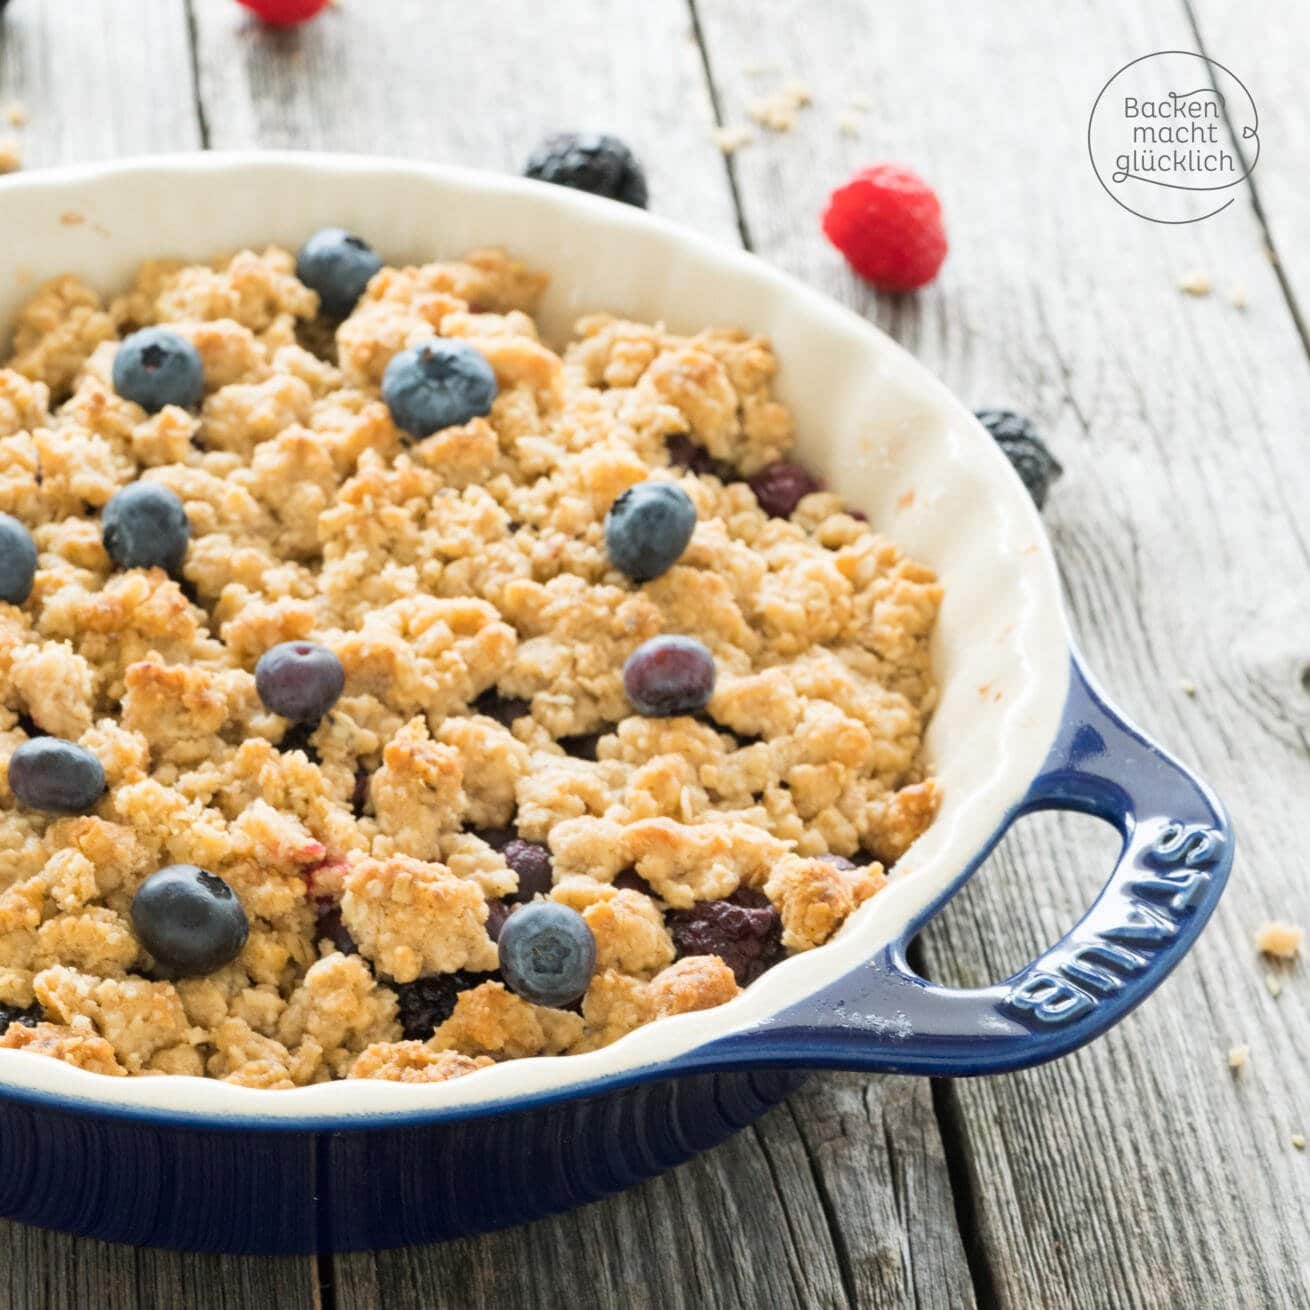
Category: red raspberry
[285,13]
[887,221]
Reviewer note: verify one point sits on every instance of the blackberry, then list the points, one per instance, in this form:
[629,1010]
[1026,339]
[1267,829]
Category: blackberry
[328,926]
[582,746]
[1023,446]
[359,792]
[427,1002]
[744,931]
[780,487]
[592,162]
[504,709]
[29,1017]
[498,910]
[531,861]
[297,738]
[688,454]
[629,880]
[496,838]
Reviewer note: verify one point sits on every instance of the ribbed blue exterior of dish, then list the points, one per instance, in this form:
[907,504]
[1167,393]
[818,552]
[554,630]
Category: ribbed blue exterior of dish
[161,1184]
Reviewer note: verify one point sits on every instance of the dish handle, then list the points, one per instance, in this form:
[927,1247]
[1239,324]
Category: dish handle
[1176,855]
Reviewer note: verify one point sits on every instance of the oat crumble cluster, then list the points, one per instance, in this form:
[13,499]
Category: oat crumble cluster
[462,580]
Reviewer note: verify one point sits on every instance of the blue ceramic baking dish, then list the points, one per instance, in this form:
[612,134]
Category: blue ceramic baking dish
[1020,726]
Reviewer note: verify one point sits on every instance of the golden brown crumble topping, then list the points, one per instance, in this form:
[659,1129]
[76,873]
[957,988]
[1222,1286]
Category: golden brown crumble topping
[463,582]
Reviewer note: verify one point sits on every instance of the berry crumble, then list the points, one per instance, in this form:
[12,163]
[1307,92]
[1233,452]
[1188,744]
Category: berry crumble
[385,694]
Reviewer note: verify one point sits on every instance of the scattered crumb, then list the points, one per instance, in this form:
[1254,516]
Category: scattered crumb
[11,158]
[905,499]
[1298,1140]
[1275,985]
[71,218]
[848,125]
[861,104]
[777,112]
[1279,939]
[798,92]
[1188,686]
[983,690]
[730,139]
[1238,1056]
[1195,284]
[16,114]
[1238,296]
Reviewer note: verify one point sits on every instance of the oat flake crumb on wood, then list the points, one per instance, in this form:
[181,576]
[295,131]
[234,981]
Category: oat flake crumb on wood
[777,111]
[730,138]
[1279,939]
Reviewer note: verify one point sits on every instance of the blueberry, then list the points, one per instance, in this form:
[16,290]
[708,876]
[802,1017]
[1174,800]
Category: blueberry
[299,680]
[531,861]
[145,525]
[17,560]
[189,920]
[156,367]
[29,1016]
[592,162]
[780,486]
[427,1002]
[744,931]
[338,266]
[57,776]
[1024,448]
[669,675]
[437,385]
[647,529]
[547,953]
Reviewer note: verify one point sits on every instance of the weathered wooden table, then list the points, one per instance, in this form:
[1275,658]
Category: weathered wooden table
[1140,1172]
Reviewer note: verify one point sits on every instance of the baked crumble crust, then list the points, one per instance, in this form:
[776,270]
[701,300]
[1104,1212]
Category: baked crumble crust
[453,576]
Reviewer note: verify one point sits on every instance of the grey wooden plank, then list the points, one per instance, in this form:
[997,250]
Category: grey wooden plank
[1139,1172]
[835,1199]
[100,79]
[41,1270]
[407,78]
[828,1205]
[97,79]
[1269,56]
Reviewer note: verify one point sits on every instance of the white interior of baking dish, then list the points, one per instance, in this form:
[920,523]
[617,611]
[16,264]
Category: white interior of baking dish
[870,419]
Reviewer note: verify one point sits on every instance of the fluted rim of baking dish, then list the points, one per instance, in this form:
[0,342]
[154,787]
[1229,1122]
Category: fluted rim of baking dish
[1015,663]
